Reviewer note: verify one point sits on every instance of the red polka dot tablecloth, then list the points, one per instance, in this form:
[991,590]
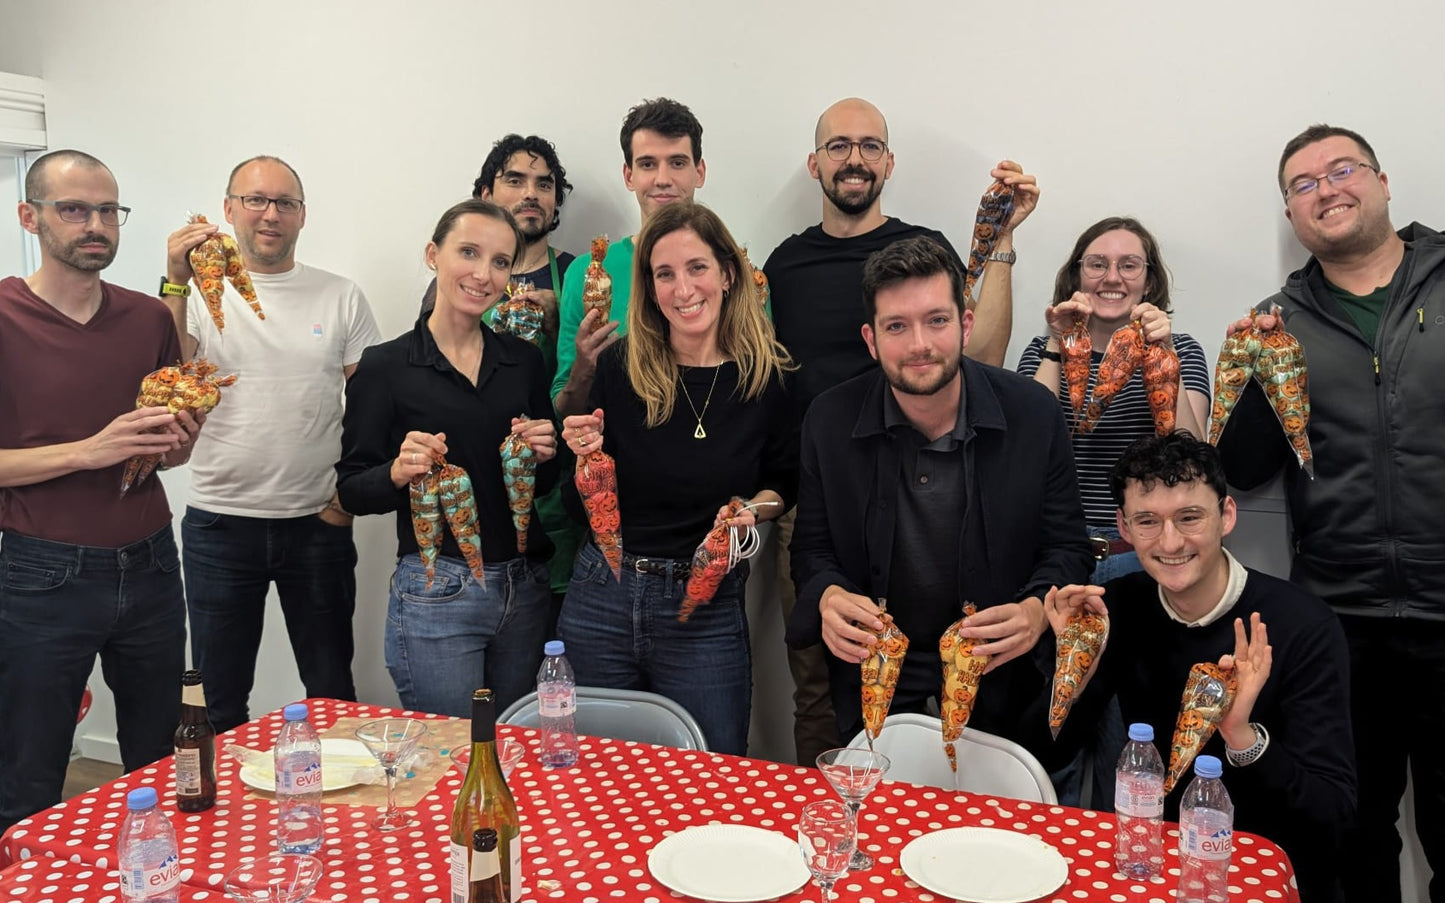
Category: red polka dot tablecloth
[587,829]
[41,879]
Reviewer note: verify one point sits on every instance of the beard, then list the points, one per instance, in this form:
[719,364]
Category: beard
[72,256]
[532,229]
[254,254]
[851,201]
[919,384]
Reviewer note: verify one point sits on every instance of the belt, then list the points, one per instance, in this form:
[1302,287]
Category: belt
[658,567]
[1104,547]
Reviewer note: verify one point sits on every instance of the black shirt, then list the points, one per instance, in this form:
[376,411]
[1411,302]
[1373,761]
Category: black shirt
[407,384]
[669,484]
[817,289]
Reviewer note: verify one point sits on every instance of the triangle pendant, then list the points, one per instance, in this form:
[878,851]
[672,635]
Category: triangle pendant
[699,433]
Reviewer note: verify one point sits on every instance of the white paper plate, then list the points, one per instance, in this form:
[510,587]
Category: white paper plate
[341,760]
[728,863]
[984,865]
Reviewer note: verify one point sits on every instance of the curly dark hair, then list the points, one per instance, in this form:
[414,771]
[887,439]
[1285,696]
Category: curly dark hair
[667,118]
[1171,460]
[538,147]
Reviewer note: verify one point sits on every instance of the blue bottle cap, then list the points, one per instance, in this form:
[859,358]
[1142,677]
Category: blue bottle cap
[140,798]
[555,647]
[297,711]
[1208,767]
[1144,733]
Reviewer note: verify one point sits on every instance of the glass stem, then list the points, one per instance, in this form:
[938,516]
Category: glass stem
[827,886]
[390,790]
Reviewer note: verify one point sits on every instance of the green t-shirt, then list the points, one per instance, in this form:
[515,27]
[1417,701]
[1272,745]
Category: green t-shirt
[618,264]
[1365,310]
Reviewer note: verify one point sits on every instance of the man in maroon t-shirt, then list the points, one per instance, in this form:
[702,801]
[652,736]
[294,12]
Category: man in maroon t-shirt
[84,570]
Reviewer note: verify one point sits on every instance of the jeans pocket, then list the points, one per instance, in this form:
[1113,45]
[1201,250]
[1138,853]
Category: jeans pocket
[201,520]
[592,567]
[26,579]
[446,585]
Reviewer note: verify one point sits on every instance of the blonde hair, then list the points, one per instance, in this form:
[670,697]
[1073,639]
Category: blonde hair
[745,334]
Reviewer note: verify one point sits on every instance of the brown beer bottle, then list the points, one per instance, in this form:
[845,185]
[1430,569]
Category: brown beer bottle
[195,749]
[486,877]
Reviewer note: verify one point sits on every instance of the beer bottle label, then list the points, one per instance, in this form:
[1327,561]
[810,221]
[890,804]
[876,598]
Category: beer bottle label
[188,772]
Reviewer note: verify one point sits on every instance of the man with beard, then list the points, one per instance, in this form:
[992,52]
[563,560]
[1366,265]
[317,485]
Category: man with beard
[933,481]
[1368,308]
[525,177]
[84,570]
[817,310]
[263,487]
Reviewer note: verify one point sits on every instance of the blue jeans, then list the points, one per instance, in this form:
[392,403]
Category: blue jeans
[60,606]
[1116,565]
[626,636]
[230,563]
[445,642]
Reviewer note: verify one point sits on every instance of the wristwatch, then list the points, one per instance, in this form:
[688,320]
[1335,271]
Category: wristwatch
[1250,754]
[1003,256]
[1054,356]
[170,288]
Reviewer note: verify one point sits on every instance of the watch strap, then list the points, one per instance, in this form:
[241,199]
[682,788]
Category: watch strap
[170,288]
[1250,754]
[1008,257]
[1054,356]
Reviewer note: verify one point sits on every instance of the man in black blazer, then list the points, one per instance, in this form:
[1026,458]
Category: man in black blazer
[934,481]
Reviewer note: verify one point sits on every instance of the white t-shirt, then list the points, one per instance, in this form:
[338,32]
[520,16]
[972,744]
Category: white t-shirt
[270,448]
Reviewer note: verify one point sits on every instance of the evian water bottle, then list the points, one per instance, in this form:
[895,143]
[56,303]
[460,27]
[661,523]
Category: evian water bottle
[150,868]
[1139,806]
[298,784]
[1206,836]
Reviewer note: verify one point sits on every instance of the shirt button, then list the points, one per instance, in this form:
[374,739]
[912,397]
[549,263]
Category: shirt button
[923,479]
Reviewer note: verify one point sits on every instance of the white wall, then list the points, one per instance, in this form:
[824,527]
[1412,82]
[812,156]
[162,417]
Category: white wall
[1172,112]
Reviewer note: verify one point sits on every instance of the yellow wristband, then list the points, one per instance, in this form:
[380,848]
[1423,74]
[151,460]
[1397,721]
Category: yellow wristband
[170,288]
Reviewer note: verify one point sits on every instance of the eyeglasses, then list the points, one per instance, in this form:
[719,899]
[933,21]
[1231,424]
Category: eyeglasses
[79,211]
[840,149]
[1188,521]
[1131,267]
[259,202]
[1337,176]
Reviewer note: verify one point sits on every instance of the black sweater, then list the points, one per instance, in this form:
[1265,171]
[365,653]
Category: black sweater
[407,384]
[669,484]
[1301,792]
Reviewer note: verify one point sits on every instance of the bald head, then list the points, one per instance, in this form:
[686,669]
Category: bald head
[37,180]
[852,109]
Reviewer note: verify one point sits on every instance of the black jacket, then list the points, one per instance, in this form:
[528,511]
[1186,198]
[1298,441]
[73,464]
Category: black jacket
[1369,530]
[1023,525]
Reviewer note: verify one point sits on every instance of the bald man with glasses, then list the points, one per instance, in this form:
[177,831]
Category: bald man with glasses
[263,506]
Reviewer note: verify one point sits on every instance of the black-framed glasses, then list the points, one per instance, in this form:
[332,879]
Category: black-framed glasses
[80,212]
[840,149]
[1337,176]
[1130,266]
[1187,521]
[259,202]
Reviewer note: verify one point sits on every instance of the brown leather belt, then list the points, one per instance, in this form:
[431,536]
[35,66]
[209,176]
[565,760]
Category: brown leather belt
[1104,547]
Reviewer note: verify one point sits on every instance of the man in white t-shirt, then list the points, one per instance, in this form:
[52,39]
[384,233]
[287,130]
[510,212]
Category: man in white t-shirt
[263,502]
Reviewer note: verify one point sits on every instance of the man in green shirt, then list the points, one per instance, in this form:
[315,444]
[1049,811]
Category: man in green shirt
[661,163]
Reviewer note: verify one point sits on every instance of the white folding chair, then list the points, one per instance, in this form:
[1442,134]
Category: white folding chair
[986,763]
[621,715]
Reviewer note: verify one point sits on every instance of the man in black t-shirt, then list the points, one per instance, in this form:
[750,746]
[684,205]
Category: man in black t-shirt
[816,283]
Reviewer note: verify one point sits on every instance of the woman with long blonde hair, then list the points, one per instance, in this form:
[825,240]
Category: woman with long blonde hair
[696,414]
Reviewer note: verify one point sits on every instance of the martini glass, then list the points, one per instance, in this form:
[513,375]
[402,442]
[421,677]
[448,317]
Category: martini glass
[509,753]
[391,740]
[854,773]
[278,878]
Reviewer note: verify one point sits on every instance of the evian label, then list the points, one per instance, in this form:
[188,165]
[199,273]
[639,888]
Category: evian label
[1207,834]
[141,884]
[556,703]
[303,781]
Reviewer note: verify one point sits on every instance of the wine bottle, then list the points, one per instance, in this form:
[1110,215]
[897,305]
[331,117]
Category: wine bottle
[485,802]
[486,869]
[195,745]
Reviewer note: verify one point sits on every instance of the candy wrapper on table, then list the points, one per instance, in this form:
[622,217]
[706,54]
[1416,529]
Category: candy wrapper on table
[880,672]
[212,260]
[1079,649]
[961,672]
[1208,694]
[192,387]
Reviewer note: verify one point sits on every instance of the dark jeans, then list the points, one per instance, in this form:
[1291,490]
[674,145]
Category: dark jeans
[1397,670]
[626,636]
[230,563]
[815,725]
[60,605]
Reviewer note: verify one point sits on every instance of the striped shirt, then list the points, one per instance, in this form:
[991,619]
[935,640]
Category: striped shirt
[1125,419]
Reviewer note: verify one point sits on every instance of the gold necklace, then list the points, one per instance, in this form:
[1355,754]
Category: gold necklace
[699,433]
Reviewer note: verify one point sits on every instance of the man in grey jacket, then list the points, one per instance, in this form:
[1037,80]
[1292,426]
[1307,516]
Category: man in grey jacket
[1369,528]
